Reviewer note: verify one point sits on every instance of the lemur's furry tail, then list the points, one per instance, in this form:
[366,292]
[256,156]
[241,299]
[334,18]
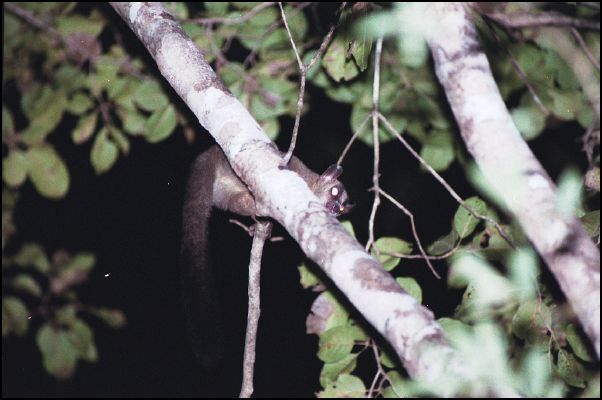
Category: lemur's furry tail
[198,286]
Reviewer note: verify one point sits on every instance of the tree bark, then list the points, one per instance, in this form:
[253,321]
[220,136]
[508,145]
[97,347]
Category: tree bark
[507,162]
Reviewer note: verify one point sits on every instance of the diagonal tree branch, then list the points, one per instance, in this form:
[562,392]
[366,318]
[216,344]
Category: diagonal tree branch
[507,162]
[281,194]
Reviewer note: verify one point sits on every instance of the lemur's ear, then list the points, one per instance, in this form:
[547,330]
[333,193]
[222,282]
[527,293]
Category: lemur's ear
[331,173]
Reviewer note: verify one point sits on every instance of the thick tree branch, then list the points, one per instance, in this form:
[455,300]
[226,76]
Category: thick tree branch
[507,162]
[283,195]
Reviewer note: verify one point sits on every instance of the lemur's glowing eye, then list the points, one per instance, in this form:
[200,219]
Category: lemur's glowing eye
[334,191]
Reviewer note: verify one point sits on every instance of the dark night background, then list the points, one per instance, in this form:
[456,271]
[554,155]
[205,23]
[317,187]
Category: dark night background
[130,218]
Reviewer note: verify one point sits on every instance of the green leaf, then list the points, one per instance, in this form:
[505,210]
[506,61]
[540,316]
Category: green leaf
[331,371]
[532,321]
[308,278]
[455,331]
[114,318]
[178,9]
[335,344]
[326,313]
[569,368]
[489,287]
[72,273]
[271,127]
[11,25]
[107,68]
[45,115]
[244,5]
[484,348]
[83,261]
[82,339]
[79,103]
[523,271]
[58,353]
[348,227]
[568,198]
[443,244]
[565,104]
[413,50]
[411,287]
[70,78]
[438,150]
[345,386]
[399,388]
[104,152]
[360,50]
[160,124]
[26,283]
[535,372]
[14,168]
[32,254]
[356,331]
[232,73]
[15,317]
[133,122]
[579,346]
[386,245]
[47,171]
[530,121]
[336,63]
[67,25]
[491,245]
[564,74]
[343,93]
[85,128]
[464,222]
[8,125]
[591,223]
[123,90]
[266,17]
[358,115]
[150,96]
[120,139]
[216,8]
[530,58]
[66,315]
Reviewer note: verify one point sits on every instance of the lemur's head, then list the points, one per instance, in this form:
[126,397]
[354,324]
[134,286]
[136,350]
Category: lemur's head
[331,192]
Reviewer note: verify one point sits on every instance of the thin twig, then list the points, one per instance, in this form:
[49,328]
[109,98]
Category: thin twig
[250,58]
[251,230]
[355,135]
[262,231]
[376,141]
[519,70]
[126,64]
[382,372]
[451,191]
[324,44]
[290,36]
[586,49]
[303,68]
[443,256]
[379,370]
[31,19]
[303,71]
[415,233]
